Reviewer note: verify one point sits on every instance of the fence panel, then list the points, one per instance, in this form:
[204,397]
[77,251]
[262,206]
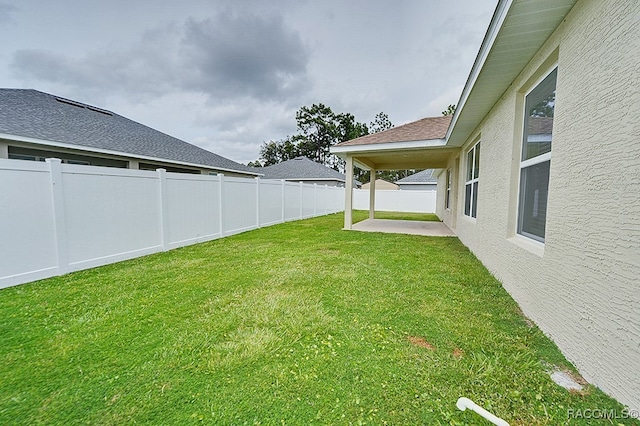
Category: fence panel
[56,218]
[308,200]
[238,205]
[192,208]
[110,214]
[27,225]
[397,200]
[292,201]
[270,202]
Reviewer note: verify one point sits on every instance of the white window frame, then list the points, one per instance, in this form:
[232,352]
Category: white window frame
[447,200]
[475,178]
[539,159]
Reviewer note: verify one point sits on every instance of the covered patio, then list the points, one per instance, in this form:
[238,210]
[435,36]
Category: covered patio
[410,227]
[417,145]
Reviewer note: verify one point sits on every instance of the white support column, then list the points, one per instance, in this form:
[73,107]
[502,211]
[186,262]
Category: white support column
[372,193]
[164,223]
[348,194]
[57,198]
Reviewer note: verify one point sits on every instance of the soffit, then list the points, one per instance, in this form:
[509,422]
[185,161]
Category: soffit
[526,26]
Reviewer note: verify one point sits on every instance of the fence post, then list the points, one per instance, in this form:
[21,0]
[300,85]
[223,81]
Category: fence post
[283,199]
[257,201]
[59,220]
[315,199]
[164,222]
[325,199]
[301,199]
[220,202]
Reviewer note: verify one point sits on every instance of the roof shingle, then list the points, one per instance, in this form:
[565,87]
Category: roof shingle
[424,129]
[300,168]
[34,114]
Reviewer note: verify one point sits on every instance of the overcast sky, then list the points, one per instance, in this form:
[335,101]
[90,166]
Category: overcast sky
[229,74]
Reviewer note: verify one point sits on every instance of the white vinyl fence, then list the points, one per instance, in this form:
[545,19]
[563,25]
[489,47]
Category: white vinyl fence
[57,218]
[397,200]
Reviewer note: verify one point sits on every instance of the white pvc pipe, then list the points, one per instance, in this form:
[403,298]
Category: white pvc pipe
[466,403]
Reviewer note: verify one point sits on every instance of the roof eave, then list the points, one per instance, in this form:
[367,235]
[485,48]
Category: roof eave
[343,151]
[45,142]
[482,91]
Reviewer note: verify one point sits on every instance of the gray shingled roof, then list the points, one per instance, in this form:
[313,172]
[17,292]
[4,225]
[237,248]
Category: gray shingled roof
[425,176]
[34,114]
[300,168]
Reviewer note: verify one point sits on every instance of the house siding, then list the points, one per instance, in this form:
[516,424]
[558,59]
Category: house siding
[583,287]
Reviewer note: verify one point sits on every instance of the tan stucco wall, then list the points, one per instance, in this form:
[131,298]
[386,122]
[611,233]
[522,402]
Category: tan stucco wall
[583,287]
[382,185]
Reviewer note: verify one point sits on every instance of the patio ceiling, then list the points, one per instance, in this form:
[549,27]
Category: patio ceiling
[401,159]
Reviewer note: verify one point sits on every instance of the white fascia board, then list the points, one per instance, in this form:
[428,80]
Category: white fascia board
[388,146]
[499,16]
[433,182]
[115,153]
[309,178]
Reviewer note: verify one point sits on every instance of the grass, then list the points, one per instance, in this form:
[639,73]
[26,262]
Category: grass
[299,323]
[430,217]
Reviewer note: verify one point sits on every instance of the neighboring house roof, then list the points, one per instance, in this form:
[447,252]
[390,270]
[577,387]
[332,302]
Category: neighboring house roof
[32,114]
[429,128]
[300,168]
[382,185]
[425,176]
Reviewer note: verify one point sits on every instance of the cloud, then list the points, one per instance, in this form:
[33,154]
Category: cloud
[245,55]
[440,103]
[227,56]
[6,12]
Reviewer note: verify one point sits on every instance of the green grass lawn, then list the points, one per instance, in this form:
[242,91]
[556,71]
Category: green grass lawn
[300,323]
[430,217]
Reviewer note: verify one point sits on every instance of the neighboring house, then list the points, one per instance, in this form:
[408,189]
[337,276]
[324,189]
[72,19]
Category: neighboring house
[36,125]
[421,181]
[540,175]
[302,169]
[381,184]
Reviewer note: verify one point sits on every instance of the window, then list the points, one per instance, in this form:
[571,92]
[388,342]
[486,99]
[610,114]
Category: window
[535,161]
[447,200]
[471,185]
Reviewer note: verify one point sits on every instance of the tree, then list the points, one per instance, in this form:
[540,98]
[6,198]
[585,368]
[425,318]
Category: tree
[451,109]
[380,123]
[318,129]
[274,152]
[256,163]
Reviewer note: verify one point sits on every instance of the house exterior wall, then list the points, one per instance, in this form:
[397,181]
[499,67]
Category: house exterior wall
[582,286]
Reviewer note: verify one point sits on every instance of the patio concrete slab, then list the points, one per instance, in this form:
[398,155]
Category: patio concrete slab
[412,227]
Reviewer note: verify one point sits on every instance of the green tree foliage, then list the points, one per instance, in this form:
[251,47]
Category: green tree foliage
[274,152]
[380,123]
[318,129]
[451,109]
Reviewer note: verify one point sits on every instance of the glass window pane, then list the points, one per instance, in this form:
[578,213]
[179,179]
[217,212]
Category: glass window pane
[470,165]
[467,200]
[474,206]
[539,112]
[534,187]
[476,168]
